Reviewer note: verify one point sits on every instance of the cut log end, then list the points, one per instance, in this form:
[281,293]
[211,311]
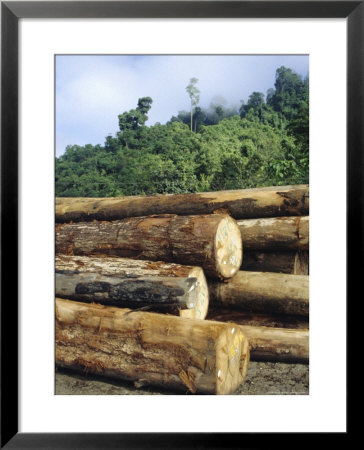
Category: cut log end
[232,360]
[228,248]
[199,311]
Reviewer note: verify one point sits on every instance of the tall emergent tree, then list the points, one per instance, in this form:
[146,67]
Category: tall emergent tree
[193,92]
[131,121]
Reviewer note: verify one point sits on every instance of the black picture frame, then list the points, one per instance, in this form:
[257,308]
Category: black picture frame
[11,12]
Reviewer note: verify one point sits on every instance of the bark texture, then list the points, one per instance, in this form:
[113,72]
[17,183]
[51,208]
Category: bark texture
[275,233]
[240,204]
[263,292]
[211,241]
[277,344]
[290,262]
[132,268]
[173,352]
[164,294]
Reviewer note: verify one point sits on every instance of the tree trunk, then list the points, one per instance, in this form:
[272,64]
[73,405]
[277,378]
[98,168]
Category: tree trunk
[240,204]
[163,294]
[257,319]
[290,262]
[131,268]
[211,241]
[277,344]
[275,234]
[263,292]
[173,352]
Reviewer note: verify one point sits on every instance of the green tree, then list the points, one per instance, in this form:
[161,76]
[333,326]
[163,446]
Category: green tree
[291,90]
[131,121]
[255,102]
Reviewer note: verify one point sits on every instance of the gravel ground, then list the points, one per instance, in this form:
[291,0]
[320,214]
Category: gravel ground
[263,378]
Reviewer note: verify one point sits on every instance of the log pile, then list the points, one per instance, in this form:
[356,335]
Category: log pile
[182,290]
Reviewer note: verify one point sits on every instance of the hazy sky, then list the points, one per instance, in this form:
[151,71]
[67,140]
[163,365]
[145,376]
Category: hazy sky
[91,91]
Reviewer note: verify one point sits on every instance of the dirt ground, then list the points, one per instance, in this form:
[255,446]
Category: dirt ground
[263,378]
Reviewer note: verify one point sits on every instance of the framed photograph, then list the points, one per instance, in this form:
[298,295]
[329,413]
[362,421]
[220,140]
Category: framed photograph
[44,42]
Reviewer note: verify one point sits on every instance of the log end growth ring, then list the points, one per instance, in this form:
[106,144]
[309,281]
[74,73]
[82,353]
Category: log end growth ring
[228,248]
[232,361]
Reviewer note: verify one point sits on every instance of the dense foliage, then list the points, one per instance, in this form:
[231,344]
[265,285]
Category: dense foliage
[263,143]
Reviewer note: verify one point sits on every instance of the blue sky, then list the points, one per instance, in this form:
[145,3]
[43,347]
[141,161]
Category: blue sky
[92,90]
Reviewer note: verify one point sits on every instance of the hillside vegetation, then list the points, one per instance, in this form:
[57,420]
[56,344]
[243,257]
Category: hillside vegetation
[264,143]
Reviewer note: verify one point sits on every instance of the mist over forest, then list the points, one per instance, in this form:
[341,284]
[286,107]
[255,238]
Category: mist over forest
[262,141]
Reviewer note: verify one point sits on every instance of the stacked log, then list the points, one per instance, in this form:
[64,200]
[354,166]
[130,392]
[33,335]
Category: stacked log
[276,244]
[274,234]
[137,274]
[185,354]
[210,241]
[289,262]
[274,293]
[278,344]
[161,293]
[239,204]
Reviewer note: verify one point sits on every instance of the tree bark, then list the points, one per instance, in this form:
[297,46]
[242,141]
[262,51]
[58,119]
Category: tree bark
[277,344]
[125,267]
[173,352]
[289,262]
[257,319]
[275,234]
[163,294]
[263,292]
[240,204]
[211,241]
